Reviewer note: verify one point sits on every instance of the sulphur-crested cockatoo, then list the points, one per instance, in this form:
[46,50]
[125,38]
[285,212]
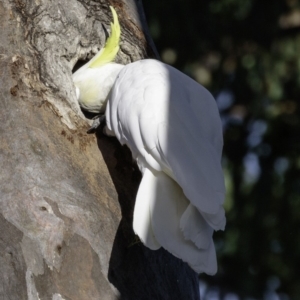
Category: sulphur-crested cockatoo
[172,126]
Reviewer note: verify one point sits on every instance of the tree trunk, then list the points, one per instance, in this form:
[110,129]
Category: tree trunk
[67,197]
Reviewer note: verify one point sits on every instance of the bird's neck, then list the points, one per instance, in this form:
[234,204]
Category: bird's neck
[108,75]
[113,70]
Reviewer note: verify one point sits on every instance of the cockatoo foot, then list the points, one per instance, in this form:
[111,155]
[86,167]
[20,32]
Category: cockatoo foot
[97,122]
[135,241]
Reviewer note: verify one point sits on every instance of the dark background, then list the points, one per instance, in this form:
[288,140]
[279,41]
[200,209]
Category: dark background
[247,53]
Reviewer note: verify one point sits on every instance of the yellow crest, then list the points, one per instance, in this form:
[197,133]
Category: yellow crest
[111,48]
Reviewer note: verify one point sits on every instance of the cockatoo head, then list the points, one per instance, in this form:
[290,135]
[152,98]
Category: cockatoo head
[94,80]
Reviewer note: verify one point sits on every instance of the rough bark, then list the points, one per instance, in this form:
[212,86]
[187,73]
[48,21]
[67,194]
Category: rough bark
[67,197]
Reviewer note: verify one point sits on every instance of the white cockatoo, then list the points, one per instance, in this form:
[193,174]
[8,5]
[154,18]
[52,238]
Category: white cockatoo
[172,126]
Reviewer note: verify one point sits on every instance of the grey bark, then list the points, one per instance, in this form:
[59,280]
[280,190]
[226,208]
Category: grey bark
[66,198]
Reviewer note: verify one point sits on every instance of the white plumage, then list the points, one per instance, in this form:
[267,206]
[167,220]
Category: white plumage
[91,95]
[172,126]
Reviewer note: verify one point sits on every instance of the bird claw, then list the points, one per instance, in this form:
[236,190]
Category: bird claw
[97,122]
[135,241]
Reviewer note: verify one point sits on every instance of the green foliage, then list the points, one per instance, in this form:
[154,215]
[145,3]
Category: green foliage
[251,63]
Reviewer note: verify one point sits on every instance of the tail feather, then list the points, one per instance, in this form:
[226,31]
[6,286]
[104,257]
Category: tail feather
[141,217]
[195,228]
[216,221]
[167,204]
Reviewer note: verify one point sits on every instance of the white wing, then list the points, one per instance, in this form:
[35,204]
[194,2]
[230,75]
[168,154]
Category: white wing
[172,123]
[172,126]
[165,203]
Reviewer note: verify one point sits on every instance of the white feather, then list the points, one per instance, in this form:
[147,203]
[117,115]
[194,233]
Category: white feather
[195,228]
[91,95]
[142,220]
[173,128]
[167,205]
